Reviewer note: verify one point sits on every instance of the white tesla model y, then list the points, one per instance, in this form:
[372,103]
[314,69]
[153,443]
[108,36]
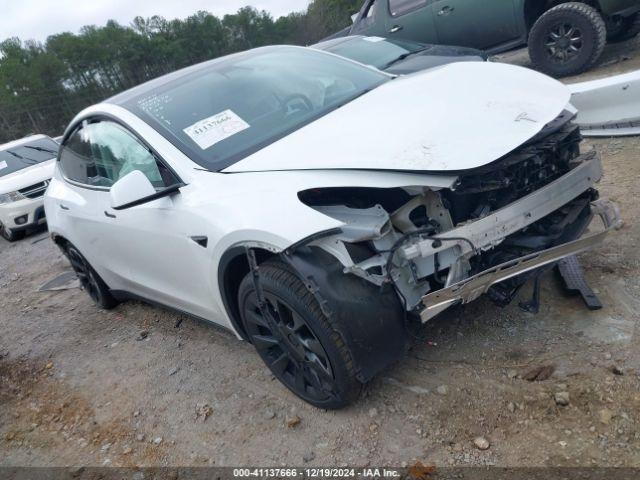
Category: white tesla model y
[314,206]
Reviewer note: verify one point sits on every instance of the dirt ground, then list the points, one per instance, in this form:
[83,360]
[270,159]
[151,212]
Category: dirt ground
[79,386]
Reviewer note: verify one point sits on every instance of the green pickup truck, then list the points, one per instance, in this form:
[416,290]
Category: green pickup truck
[564,38]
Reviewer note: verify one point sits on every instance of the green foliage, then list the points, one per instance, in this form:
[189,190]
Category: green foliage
[43,85]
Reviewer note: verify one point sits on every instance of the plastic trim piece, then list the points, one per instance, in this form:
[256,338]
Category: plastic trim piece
[608,107]
[165,192]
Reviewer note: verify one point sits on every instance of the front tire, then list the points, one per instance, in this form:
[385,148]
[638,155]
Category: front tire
[89,279]
[297,342]
[567,39]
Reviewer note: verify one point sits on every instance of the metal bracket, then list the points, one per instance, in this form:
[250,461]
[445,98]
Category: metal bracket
[491,230]
[472,287]
[533,305]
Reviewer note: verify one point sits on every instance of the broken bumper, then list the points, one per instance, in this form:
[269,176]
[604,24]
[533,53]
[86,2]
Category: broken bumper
[471,288]
[491,230]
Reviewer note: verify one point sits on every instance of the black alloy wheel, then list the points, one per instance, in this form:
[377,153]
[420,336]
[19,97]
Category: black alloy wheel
[89,279]
[289,347]
[295,340]
[567,39]
[88,282]
[564,42]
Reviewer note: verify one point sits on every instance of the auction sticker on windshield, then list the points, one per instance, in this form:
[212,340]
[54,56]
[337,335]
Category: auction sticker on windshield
[214,129]
[3,165]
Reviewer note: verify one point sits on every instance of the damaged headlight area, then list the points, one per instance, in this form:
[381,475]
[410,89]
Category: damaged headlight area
[11,197]
[520,213]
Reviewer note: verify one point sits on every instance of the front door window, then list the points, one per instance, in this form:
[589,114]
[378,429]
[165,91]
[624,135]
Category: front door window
[101,153]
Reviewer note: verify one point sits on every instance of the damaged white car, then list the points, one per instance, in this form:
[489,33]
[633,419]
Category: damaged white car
[314,206]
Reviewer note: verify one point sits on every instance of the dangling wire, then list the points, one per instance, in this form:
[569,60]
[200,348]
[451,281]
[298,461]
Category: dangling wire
[396,246]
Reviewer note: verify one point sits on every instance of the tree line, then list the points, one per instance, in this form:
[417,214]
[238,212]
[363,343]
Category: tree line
[44,84]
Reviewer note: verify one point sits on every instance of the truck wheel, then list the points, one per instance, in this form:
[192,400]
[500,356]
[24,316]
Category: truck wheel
[567,39]
[623,29]
[90,281]
[11,235]
[297,342]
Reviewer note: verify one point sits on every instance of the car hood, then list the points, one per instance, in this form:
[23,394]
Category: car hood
[27,176]
[451,118]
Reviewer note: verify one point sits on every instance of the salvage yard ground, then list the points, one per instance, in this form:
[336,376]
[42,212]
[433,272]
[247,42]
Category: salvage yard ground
[134,386]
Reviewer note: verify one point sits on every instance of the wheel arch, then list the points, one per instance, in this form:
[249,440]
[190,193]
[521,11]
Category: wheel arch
[375,331]
[59,240]
[232,269]
[534,9]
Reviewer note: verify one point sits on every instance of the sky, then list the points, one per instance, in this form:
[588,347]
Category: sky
[37,19]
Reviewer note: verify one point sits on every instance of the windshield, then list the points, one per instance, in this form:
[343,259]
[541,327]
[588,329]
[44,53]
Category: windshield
[26,155]
[227,109]
[376,51]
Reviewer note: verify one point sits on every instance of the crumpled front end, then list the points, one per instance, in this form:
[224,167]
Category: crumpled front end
[470,288]
[498,223]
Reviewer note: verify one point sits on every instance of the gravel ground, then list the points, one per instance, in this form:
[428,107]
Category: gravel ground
[79,386]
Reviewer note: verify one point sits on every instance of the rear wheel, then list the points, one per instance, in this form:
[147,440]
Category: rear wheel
[621,29]
[295,339]
[567,39]
[11,235]
[89,279]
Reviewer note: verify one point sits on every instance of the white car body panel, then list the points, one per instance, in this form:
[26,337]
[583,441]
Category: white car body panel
[19,180]
[9,212]
[496,115]
[355,218]
[126,254]
[148,251]
[27,176]
[609,106]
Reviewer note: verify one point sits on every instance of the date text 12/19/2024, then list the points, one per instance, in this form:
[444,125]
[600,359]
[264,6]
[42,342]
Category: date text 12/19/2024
[316,473]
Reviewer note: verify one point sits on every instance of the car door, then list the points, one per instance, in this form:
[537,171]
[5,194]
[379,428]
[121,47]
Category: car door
[411,20]
[474,23]
[148,249]
[81,202]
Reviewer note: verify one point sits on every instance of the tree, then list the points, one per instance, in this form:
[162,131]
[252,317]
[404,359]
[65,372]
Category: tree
[43,85]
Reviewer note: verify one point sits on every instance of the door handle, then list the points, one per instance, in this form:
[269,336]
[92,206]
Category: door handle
[110,215]
[446,10]
[395,28]
[63,207]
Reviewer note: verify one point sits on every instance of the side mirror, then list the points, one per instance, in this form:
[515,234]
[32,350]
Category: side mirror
[135,189]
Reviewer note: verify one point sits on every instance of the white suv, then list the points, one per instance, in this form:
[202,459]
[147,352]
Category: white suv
[315,206]
[26,168]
